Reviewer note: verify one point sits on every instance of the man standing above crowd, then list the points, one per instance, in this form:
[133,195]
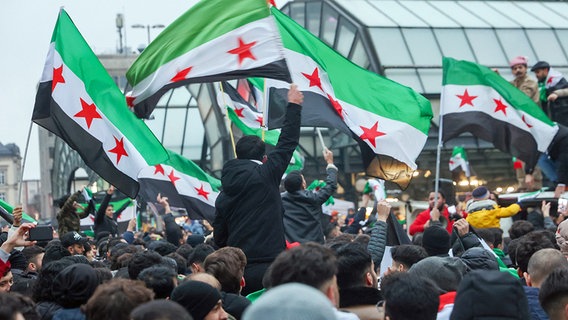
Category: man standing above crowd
[522,81]
[249,207]
[431,216]
[554,90]
[302,208]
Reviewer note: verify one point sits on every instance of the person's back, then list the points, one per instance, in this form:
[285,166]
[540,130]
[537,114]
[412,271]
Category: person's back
[302,208]
[249,208]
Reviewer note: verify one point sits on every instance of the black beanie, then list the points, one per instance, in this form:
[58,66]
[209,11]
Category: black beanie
[436,241]
[198,298]
[74,285]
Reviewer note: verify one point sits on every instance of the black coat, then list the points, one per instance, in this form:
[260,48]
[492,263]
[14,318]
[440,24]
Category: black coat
[302,211]
[249,209]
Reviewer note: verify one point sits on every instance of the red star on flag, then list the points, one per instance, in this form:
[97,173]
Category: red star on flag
[57,77]
[181,75]
[371,134]
[173,177]
[119,149]
[335,104]
[314,78]
[500,106]
[159,169]
[549,81]
[130,101]
[466,99]
[259,119]
[243,51]
[239,112]
[525,121]
[89,112]
[202,192]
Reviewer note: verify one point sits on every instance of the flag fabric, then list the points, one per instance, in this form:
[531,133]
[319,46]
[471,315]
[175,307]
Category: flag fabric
[214,40]
[250,121]
[388,120]
[126,215]
[459,160]
[184,183]
[79,102]
[9,208]
[477,100]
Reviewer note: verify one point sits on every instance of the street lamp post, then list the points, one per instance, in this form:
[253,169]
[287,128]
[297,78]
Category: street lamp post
[148,27]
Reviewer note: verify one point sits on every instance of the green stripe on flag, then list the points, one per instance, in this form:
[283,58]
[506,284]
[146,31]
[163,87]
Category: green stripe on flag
[203,22]
[370,92]
[79,58]
[459,72]
[10,209]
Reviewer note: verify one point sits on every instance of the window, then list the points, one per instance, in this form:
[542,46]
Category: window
[3,176]
[390,47]
[329,25]
[516,44]
[547,47]
[454,44]
[297,13]
[486,47]
[345,37]
[3,196]
[423,47]
[314,15]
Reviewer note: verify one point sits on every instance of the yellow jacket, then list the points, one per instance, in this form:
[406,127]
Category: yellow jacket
[490,218]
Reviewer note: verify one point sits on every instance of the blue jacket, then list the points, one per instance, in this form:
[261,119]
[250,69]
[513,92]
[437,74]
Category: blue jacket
[537,313]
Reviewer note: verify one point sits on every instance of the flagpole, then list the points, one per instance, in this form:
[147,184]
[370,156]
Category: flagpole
[318,130]
[264,108]
[439,150]
[24,163]
[228,122]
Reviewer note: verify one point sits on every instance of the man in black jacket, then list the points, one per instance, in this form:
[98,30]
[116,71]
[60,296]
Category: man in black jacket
[106,217]
[302,208]
[249,208]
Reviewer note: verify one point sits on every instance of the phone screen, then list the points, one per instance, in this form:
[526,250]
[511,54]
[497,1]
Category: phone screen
[562,204]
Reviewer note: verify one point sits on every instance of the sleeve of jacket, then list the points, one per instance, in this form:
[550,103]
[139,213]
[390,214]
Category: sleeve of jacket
[468,241]
[279,158]
[356,225]
[90,209]
[508,211]
[100,215]
[330,186]
[220,232]
[376,246]
[68,208]
[173,231]
[418,225]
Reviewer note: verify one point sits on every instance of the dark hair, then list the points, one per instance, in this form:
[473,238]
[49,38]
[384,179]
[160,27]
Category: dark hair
[519,228]
[160,279]
[115,299]
[486,234]
[409,296]
[76,259]
[497,236]
[228,266]
[160,310]
[163,248]
[553,294]
[362,239]
[103,274]
[353,263]
[13,303]
[184,250]
[31,253]
[250,147]
[526,246]
[42,288]
[199,253]
[408,254]
[311,264]
[293,181]
[181,262]
[54,251]
[141,261]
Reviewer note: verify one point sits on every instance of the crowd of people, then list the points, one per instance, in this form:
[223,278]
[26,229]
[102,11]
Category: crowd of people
[275,255]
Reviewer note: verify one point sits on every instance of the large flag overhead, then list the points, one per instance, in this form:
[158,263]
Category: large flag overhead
[184,183]
[459,160]
[390,121]
[214,40]
[79,102]
[477,100]
[250,121]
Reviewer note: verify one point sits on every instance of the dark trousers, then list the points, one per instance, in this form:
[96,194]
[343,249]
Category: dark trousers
[254,272]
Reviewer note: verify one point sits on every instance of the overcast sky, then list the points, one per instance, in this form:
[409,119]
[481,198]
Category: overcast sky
[25,29]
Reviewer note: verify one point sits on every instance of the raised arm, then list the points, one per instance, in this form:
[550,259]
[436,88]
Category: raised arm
[100,215]
[331,181]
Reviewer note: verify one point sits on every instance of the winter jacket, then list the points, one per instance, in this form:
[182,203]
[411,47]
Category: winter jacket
[528,86]
[302,210]
[361,301]
[69,314]
[104,223]
[249,208]
[480,216]
[418,225]
[68,218]
[537,312]
[378,241]
[47,309]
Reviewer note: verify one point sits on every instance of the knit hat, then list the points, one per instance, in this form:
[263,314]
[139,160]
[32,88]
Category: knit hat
[519,60]
[445,272]
[197,297]
[562,237]
[485,294]
[480,193]
[436,241]
[291,301]
[74,285]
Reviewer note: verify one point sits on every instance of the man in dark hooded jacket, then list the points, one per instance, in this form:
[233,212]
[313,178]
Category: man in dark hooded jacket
[249,208]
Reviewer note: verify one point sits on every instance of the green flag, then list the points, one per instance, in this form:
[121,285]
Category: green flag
[79,102]
[477,100]
[459,160]
[214,40]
